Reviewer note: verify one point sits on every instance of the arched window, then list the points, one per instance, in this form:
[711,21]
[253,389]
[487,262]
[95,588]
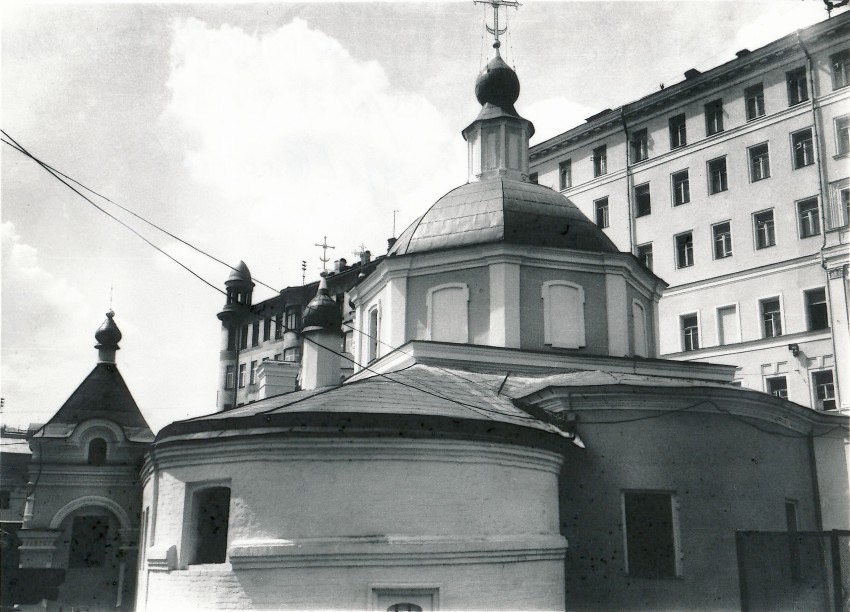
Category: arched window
[639,329]
[448,313]
[563,314]
[211,515]
[97,452]
[374,332]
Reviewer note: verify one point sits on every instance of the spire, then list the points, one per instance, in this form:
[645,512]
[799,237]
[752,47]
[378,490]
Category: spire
[108,336]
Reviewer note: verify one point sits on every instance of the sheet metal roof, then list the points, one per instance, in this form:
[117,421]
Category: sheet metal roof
[501,209]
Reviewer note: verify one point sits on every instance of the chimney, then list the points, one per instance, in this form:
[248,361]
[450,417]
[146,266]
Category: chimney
[365,257]
[322,333]
[390,243]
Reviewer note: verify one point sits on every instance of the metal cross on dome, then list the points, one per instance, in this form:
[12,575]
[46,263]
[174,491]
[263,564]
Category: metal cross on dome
[497,4]
[324,258]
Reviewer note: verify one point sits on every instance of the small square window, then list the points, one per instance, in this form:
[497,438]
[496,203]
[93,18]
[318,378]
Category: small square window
[722,237]
[292,355]
[764,230]
[754,97]
[842,135]
[771,316]
[824,390]
[802,148]
[600,161]
[681,188]
[690,332]
[684,250]
[777,385]
[717,180]
[713,117]
[759,162]
[840,63]
[807,214]
[678,132]
[639,145]
[817,316]
[644,254]
[601,210]
[643,202]
[798,90]
[565,174]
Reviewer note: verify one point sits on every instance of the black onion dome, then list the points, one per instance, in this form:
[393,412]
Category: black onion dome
[502,210]
[498,85]
[322,312]
[108,335]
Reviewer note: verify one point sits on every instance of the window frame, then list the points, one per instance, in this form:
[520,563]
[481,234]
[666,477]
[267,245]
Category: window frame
[191,507]
[602,205]
[639,145]
[754,154]
[713,167]
[429,305]
[721,340]
[767,385]
[545,291]
[841,130]
[642,200]
[814,220]
[821,403]
[565,174]
[728,251]
[807,155]
[639,351]
[771,232]
[777,322]
[687,339]
[755,93]
[713,117]
[644,253]
[807,307]
[600,161]
[678,126]
[675,535]
[373,346]
[241,374]
[796,81]
[229,377]
[840,77]
[676,184]
[683,259]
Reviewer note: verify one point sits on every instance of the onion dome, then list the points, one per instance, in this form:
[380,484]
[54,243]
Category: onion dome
[240,274]
[502,210]
[498,85]
[108,335]
[322,313]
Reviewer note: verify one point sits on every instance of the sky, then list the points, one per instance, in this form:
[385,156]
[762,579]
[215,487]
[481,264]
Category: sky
[253,131]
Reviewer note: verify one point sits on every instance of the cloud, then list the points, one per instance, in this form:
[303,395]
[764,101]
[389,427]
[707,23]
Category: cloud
[552,116]
[38,351]
[296,139]
[777,22]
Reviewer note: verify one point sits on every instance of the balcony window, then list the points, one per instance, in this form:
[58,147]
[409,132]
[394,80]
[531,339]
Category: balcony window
[809,221]
[840,63]
[722,238]
[684,250]
[639,145]
[600,161]
[714,117]
[754,97]
[678,132]
[601,211]
[802,148]
[717,181]
[681,188]
[690,332]
[771,316]
[764,230]
[565,174]
[798,90]
[643,202]
[759,162]
[817,316]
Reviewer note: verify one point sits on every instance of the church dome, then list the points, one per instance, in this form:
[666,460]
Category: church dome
[497,84]
[322,312]
[502,210]
[108,335]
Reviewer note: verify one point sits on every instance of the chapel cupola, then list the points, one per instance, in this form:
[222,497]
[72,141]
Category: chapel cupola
[322,333]
[108,336]
[498,138]
[239,287]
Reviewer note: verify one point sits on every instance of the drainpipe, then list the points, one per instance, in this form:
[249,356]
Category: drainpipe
[632,238]
[822,190]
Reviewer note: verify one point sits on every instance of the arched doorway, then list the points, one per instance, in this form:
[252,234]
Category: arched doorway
[89,548]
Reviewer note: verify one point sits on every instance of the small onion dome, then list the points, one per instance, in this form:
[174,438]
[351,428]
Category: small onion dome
[108,335]
[322,312]
[239,275]
[498,85]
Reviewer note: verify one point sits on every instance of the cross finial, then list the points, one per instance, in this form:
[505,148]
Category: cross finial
[324,258]
[496,30]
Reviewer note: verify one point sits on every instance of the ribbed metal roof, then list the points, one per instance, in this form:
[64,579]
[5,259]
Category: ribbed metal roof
[501,209]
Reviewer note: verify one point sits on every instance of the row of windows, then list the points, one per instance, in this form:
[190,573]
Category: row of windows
[770,317]
[764,234]
[754,107]
[263,331]
[290,355]
[822,384]
[717,173]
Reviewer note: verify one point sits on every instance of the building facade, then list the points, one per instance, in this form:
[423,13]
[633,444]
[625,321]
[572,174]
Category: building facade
[732,186]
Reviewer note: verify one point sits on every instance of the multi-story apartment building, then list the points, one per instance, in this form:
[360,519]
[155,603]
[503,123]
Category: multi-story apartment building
[732,186]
